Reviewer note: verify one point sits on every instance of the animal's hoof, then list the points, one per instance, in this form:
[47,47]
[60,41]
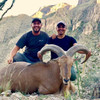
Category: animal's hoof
[6,93]
[67,94]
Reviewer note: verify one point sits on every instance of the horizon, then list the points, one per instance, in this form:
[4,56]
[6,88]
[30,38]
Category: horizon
[29,8]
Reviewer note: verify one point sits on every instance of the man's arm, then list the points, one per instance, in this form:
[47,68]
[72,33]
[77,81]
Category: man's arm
[12,54]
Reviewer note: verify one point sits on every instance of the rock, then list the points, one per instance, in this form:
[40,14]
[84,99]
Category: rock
[31,97]
[96,92]
[18,96]
[6,93]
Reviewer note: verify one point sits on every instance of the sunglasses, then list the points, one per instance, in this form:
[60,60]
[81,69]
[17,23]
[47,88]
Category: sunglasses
[61,26]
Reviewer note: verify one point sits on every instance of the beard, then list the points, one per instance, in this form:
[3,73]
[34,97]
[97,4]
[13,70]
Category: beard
[36,31]
[60,34]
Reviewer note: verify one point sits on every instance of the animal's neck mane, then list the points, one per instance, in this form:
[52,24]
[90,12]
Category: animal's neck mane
[58,63]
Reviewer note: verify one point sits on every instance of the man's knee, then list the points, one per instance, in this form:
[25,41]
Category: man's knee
[18,57]
[73,74]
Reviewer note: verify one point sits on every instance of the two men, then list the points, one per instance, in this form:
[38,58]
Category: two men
[33,40]
[36,39]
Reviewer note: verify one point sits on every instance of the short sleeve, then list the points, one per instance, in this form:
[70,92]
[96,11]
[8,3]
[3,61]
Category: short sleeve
[47,37]
[22,41]
[49,41]
[73,40]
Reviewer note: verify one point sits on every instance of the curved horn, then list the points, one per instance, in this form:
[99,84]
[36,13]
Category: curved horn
[78,47]
[54,48]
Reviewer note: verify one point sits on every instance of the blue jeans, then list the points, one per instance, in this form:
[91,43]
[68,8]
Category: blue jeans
[21,57]
[73,74]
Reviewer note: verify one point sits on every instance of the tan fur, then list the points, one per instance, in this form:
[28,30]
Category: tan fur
[46,78]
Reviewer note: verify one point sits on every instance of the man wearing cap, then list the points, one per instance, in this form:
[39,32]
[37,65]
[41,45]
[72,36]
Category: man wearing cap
[33,40]
[65,42]
[62,40]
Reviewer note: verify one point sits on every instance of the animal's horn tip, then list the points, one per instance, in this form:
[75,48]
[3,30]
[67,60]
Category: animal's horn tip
[83,62]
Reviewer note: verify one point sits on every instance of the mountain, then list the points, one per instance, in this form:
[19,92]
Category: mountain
[86,17]
[50,10]
[85,1]
[11,28]
[50,15]
[82,1]
[83,23]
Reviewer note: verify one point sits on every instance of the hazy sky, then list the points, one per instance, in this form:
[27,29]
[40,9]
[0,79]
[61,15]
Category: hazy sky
[29,7]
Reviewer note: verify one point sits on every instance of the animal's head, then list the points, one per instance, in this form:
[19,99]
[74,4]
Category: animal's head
[65,63]
[65,60]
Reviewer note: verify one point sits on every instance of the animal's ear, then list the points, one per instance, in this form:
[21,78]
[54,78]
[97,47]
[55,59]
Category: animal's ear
[58,61]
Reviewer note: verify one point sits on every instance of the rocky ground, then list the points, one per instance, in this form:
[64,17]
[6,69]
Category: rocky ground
[87,88]
[19,96]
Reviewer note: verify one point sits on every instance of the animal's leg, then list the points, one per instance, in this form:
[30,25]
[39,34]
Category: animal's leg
[72,87]
[43,90]
[65,89]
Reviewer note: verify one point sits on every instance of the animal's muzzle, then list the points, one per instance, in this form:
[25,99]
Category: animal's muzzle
[66,81]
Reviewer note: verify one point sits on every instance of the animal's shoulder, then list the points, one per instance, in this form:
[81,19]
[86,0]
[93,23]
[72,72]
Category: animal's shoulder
[18,64]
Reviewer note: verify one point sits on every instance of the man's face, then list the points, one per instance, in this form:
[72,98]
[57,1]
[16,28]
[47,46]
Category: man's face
[61,30]
[36,26]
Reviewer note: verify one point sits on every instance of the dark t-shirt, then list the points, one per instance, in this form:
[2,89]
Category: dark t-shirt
[33,44]
[64,43]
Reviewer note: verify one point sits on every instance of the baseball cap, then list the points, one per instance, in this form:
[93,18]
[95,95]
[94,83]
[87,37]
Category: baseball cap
[61,23]
[36,19]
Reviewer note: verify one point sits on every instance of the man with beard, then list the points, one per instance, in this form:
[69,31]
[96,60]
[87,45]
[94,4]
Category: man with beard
[33,40]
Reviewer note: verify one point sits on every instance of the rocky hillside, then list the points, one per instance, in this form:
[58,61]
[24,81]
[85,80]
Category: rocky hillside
[84,18]
[10,29]
[51,10]
[12,26]
[82,1]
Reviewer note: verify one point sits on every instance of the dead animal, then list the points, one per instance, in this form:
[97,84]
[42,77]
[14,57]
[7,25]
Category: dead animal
[46,78]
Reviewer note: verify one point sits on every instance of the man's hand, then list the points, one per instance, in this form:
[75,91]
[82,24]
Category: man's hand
[39,55]
[13,53]
[10,60]
[53,36]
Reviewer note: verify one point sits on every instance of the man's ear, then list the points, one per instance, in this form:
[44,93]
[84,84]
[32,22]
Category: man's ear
[65,28]
[56,28]
[41,24]
[31,24]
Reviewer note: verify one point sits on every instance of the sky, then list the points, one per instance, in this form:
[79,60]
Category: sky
[29,7]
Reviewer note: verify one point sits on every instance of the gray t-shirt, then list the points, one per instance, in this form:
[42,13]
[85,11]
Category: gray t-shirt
[33,44]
